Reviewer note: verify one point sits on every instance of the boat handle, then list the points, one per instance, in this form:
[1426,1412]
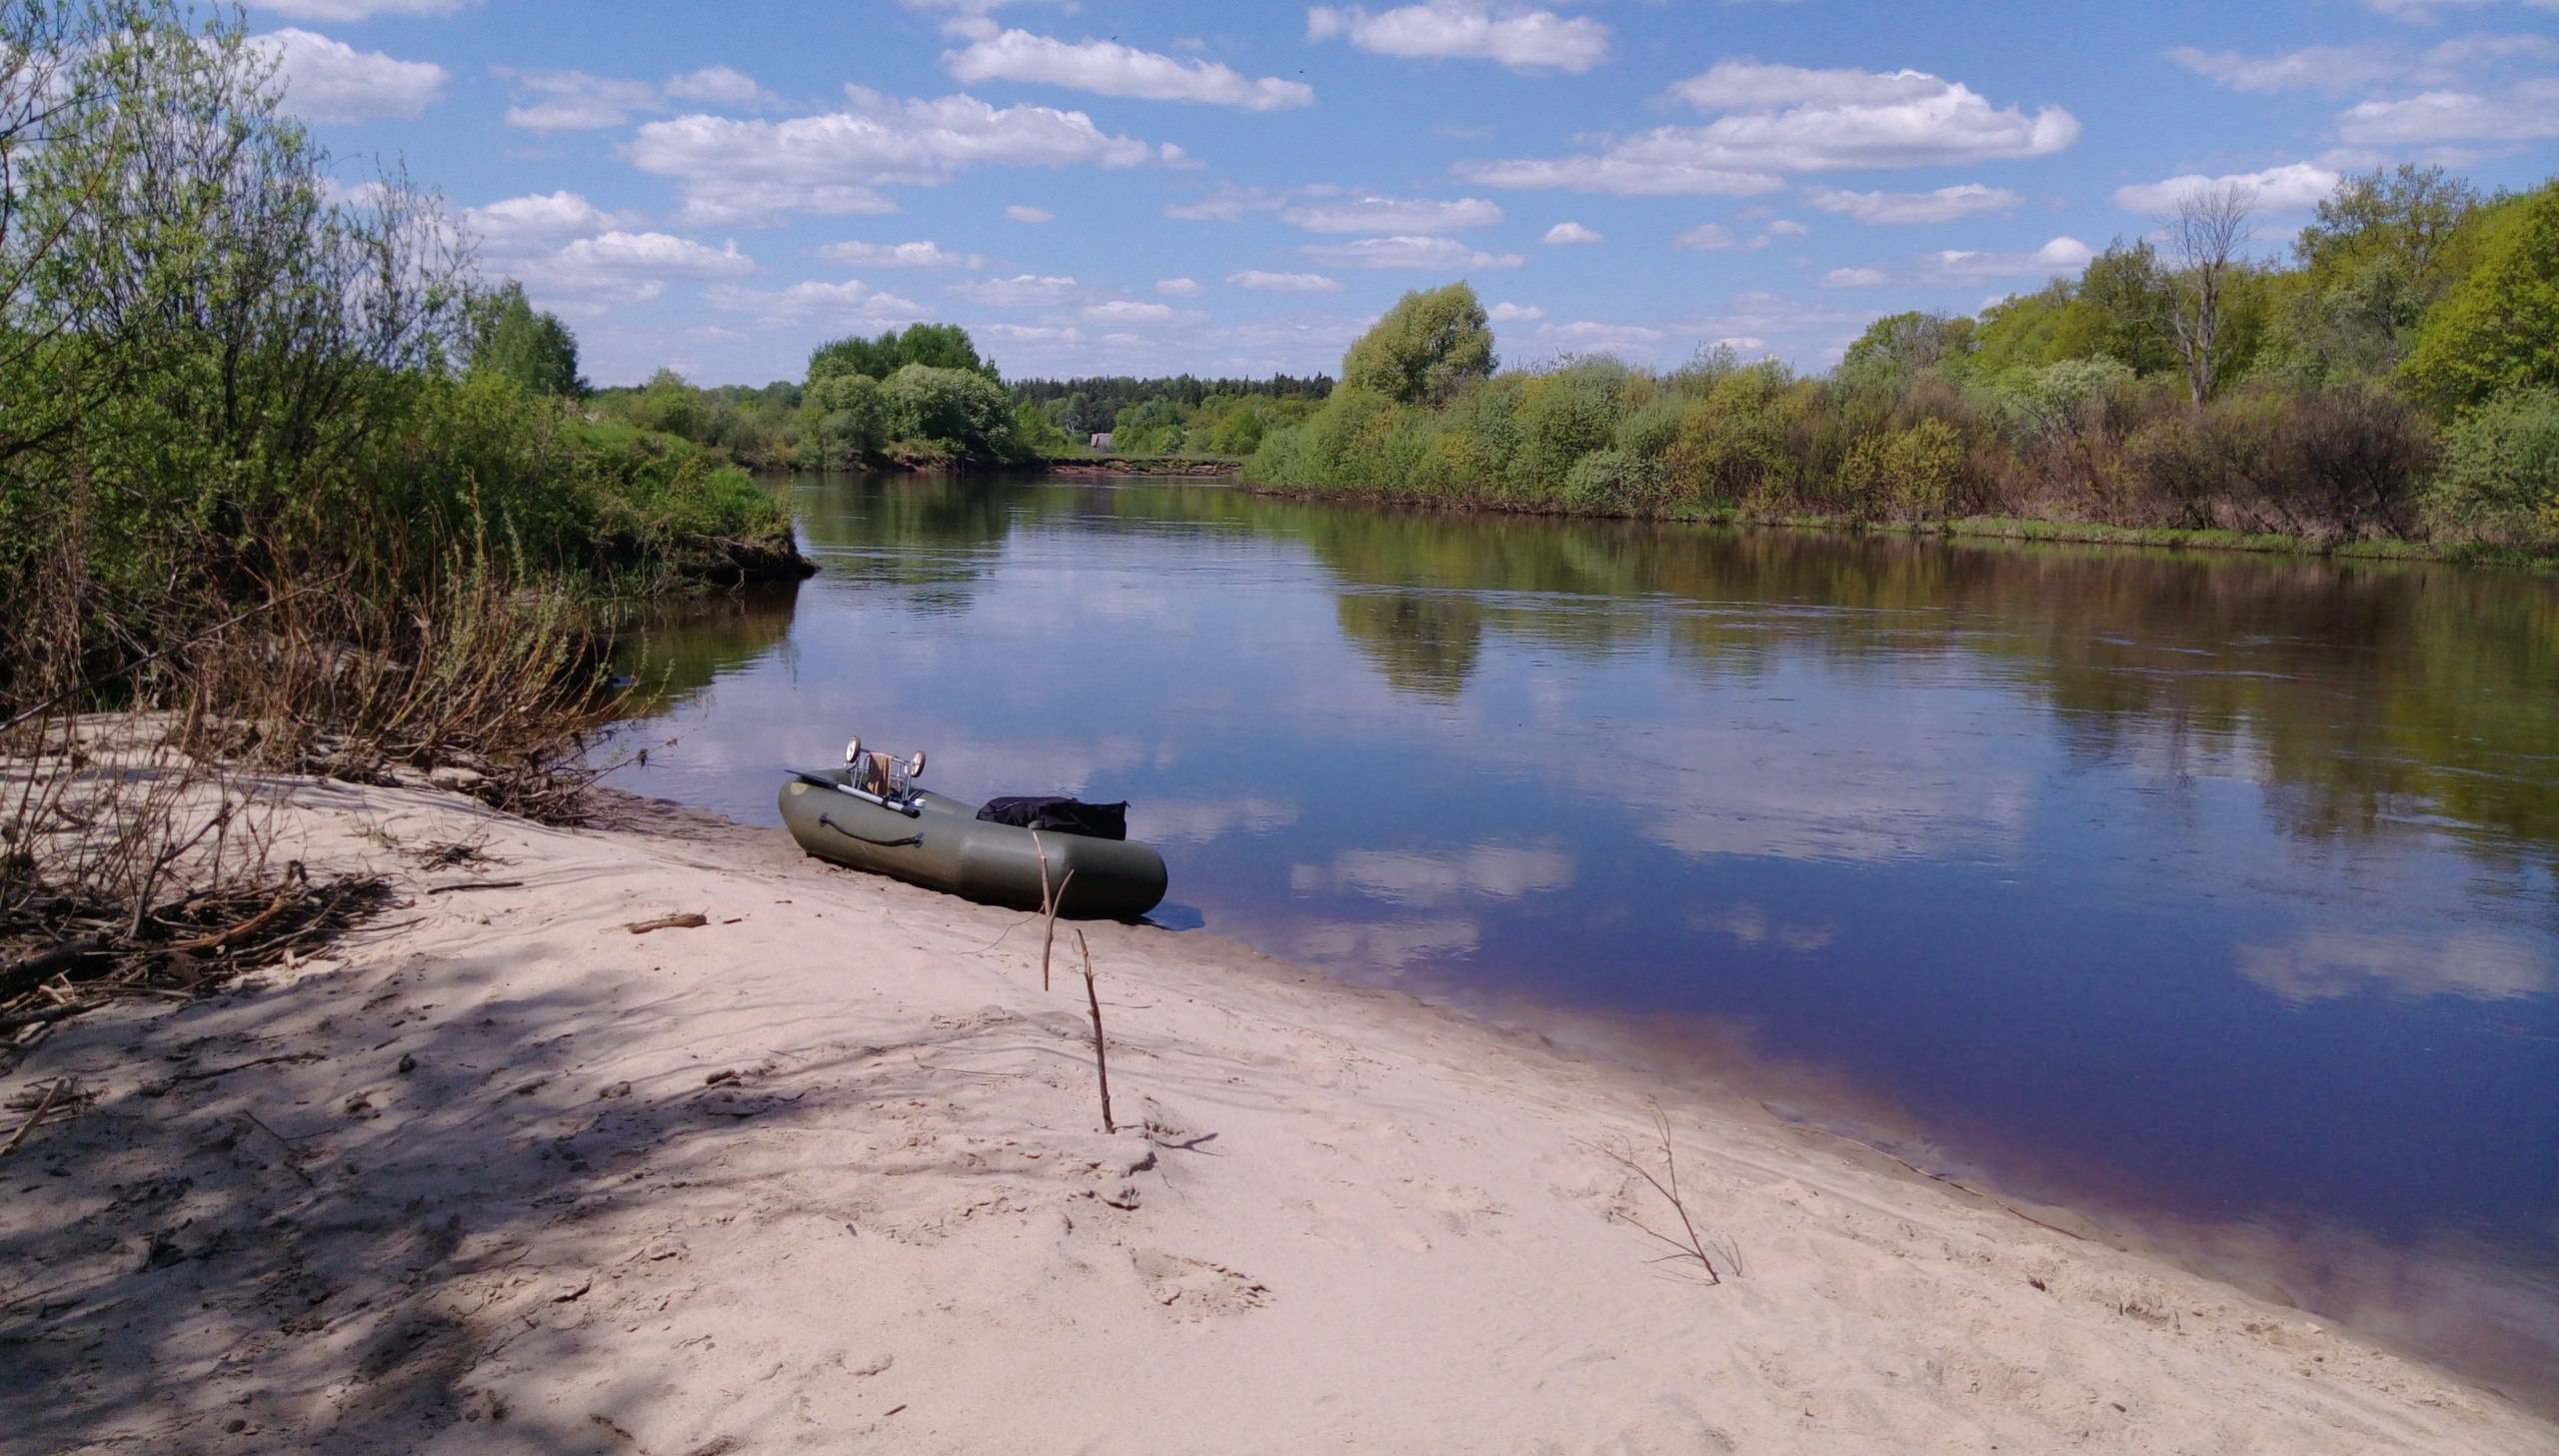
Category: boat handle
[865,838]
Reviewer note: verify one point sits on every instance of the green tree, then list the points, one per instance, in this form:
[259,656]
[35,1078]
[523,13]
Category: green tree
[1429,344]
[2497,328]
[534,349]
[2384,248]
[2499,480]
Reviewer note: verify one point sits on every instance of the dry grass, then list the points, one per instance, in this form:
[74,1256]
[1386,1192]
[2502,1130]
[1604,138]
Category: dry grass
[137,854]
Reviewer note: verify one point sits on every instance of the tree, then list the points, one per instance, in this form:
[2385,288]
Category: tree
[2384,248]
[2205,234]
[940,346]
[1430,343]
[1911,341]
[2498,328]
[535,350]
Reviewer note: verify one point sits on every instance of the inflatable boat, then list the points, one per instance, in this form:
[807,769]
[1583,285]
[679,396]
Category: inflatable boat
[868,816]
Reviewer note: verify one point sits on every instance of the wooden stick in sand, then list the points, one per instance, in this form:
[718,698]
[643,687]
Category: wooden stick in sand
[1101,1058]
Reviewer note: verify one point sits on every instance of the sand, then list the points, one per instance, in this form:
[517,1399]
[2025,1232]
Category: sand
[826,1173]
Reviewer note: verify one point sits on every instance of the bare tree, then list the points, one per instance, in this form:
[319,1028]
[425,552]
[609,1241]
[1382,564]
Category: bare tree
[2204,236]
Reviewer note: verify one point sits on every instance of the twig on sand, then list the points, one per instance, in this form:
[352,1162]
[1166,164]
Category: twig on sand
[46,1105]
[1049,904]
[1689,1244]
[686,921]
[474,884]
[1101,1058]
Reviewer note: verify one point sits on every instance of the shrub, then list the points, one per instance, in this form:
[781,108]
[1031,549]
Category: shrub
[1908,473]
[2499,478]
[1563,417]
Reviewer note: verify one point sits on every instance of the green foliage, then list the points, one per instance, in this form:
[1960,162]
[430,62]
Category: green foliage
[961,410]
[2497,328]
[1564,416]
[2499,480]
[218,380]
[938,346]
[2383,250]
[1431,343]
[1908,473]
[535,350]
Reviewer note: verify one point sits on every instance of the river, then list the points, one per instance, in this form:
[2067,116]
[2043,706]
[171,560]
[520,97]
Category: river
[2213,895]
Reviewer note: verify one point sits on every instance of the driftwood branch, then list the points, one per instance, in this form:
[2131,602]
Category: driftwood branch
[1100,1056]
[1688,1244]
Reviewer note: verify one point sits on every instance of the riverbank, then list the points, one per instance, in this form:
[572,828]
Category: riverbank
[1979,528]
[1215,467]
[825,1171]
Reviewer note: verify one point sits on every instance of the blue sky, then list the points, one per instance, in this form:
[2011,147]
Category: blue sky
[1148,188]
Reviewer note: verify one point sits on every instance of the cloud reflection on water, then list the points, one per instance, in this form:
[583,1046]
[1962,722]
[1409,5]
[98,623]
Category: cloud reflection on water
[2324,964]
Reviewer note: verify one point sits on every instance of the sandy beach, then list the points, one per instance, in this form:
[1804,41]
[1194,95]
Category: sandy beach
[827,1172]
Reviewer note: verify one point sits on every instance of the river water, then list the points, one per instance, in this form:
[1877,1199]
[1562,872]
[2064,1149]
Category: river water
[2217,896]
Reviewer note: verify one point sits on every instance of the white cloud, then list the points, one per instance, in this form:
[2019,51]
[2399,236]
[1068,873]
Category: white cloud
[2426,12]
[575,100]
[1022,291]
[566,101]
[1787,228]
[1563,235]
[1740,342]
[2451,63]
[1110,69]
[2324,68]
[1585,335]
[849,302]
[1408,251]
[1395,215]
[970,19]
[719,83]
[1130,311]
[898,255]
[329,80]
[2526,112]
[755,170]
[1786,119]
[656,255]
[2061,255]
[1178,287]
[1478,30]
[358,9]
[1853,277]
[1944,205]
[1025,213]
[511,225]
[1709,237]
[1510,313]
[1260,281]
[2289,189]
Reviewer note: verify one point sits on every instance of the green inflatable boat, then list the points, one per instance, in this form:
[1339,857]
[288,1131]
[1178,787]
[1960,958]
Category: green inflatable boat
[871,816]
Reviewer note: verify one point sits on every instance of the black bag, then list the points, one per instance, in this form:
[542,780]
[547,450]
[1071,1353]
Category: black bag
[1065,816]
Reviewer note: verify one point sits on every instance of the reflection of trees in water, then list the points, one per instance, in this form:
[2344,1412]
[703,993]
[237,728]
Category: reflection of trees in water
[2365,690]
[1421,642]
[676,650]
[931,538]
[2361,691]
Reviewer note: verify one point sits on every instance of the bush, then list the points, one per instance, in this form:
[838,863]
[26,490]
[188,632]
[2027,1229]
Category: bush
[2499,478]
[1907,474]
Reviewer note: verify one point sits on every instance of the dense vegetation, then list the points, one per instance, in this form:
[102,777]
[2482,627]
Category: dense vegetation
[218,378]
[2398,380]
[924,397]
[1180,415]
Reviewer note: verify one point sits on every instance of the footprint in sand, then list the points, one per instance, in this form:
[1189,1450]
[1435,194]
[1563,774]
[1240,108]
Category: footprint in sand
[1190,1289]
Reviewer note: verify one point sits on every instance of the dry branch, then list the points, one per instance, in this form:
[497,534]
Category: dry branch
[1688,1244]
[1100,1056]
